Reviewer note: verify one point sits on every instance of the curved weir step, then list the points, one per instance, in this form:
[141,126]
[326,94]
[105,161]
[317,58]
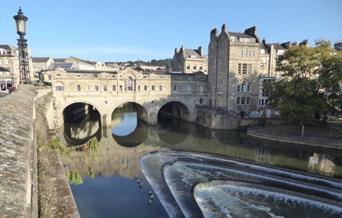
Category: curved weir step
[177,176]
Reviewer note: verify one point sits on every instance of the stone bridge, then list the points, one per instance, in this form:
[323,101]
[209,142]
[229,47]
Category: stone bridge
[107,91]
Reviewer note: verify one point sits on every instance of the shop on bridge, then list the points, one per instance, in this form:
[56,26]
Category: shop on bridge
[6,81]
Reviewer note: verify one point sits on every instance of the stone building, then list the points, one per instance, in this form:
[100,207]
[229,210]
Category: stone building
[9,62]
[338,45]
[39,64]
[239,64]
[189,60]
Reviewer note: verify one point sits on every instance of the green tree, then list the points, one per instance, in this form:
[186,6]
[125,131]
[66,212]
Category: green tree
[310,83]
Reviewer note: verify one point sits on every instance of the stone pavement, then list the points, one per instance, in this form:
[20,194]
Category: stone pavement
[17,154]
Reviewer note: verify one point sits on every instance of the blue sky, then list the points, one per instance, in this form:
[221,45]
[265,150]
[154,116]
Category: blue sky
[117,30]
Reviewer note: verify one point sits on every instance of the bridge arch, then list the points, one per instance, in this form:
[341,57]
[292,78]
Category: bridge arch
[174,108]
[77,129]
[130,106]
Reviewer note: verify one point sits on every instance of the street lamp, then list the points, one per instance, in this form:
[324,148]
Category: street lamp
[20,20]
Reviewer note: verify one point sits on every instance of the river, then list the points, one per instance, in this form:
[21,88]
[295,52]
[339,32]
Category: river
[107,180]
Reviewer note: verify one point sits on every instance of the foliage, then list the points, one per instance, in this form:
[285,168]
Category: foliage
[55,144]
[90,148]
[310,83]
[74,177]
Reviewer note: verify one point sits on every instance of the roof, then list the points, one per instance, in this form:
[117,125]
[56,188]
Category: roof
[278,46]
[240,35]
[64,65]
[192,53]
[81,60]
[59,60]
[8,47]
[40,59]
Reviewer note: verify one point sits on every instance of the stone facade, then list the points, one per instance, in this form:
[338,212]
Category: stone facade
[106,91]
[9,60]
[238,65]
[40,64]
[189,60]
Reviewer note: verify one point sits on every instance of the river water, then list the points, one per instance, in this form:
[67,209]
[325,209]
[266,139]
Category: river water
[107,180]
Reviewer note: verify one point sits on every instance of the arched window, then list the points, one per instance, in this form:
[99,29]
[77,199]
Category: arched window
[130,84]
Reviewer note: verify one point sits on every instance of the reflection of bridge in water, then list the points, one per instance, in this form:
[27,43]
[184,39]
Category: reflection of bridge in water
[117,155]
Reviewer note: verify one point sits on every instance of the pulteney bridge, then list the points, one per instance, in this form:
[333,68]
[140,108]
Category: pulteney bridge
[149,92]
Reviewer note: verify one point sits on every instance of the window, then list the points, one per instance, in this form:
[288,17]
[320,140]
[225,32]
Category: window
[243,100]
[238,88]
[249,68]
[120,88]
[248,87]
[105,88]
[96,88]
[201,101]
[145,87]
[78,88]
[188,67]
[160,88]
[152,87]
[238,100]
[60,88]
[194,67]
[49,77]
[130,84]
[138,88]
[239,68]
[114,87]
[174,87]
[241,53]
[244,68]
[247,100]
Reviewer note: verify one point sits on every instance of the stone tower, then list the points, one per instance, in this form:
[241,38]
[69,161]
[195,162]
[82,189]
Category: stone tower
[233,62]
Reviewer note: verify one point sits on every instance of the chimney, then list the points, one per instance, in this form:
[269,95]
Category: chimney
[200,50]
[224,28]
[213,34]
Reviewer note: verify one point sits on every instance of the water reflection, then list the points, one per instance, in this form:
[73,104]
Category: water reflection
[122,150]
[131,131]
[79,133]
[322,163]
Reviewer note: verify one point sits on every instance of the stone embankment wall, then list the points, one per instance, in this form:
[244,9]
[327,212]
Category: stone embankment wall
[24,126]
[18,154]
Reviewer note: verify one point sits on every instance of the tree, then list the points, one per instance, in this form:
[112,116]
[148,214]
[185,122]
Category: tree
[310,83]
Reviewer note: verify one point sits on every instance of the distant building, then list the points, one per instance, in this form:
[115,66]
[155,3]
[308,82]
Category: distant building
[189,60]
[40,64]
[9,63]
[338,46]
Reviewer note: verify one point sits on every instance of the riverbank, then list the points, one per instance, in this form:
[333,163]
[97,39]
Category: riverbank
[328,136]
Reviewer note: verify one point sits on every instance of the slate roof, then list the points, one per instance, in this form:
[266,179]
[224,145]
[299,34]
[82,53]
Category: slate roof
[40,59]
[240,35]
[191,53]
[59,60]
[7,47]
[278,46]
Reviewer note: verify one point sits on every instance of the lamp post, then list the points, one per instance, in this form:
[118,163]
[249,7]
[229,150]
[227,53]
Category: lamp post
[20,20]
